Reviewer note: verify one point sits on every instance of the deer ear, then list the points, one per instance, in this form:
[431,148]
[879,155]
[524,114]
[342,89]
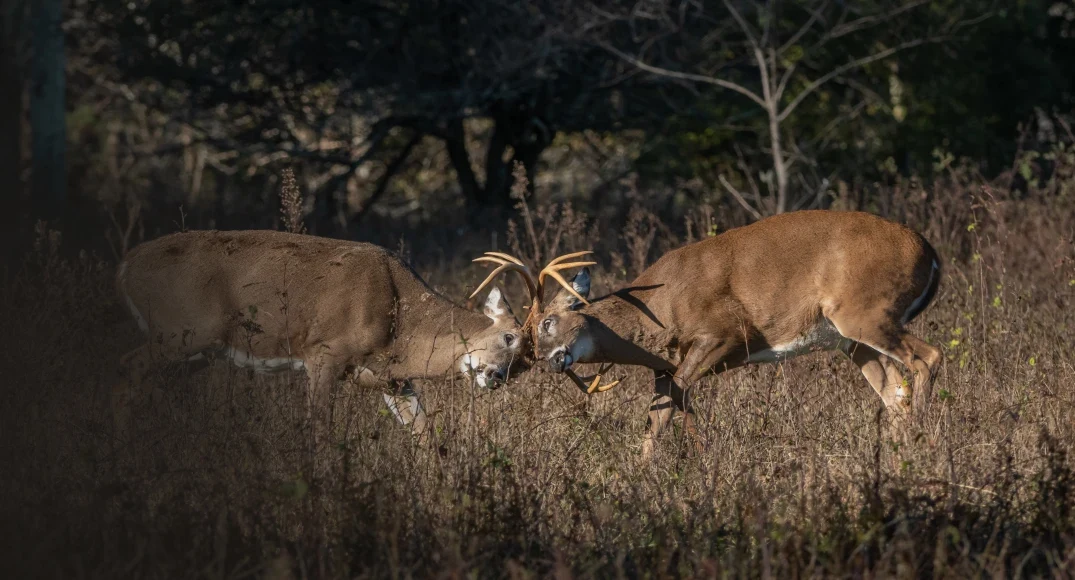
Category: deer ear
[581,284]
[495,305]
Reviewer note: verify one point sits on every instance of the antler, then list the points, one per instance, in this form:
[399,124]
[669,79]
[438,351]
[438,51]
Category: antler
[553,268]
[507,263]
[536,288]
[594,385]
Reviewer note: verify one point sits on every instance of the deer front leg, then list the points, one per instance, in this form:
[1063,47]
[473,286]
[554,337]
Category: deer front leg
[322,374]
[673,391]
[134,366]
[661,410]
[407,407]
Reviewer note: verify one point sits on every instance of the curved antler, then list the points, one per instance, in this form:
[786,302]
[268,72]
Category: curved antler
[552,269]
[594,383]
[536,288]
[507,263]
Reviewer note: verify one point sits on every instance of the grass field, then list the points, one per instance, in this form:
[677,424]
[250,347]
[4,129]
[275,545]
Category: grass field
[799,477]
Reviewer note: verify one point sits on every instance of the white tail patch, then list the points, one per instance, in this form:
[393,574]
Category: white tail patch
[918,301]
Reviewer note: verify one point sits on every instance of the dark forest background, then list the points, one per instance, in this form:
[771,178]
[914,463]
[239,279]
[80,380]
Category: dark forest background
[629,128]
[121,118]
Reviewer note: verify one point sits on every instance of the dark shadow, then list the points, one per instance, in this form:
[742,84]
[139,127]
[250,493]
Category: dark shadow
[626,295]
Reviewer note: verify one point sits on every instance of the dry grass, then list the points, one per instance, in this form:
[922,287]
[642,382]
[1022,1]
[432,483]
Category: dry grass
[535,479]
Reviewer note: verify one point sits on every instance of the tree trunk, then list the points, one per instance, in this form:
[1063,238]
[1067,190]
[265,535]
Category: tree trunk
[779,163]
[497,169]
[456,142]
[528,137]
[48,111]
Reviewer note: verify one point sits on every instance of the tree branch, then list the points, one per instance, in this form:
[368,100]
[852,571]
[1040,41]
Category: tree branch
[873,19]
[686,76]
[742,24]
[739,197]
[815,15]
[390,170]
[857,63]
[333,182]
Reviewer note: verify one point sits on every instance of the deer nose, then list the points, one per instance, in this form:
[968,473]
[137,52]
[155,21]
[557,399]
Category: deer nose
[558,361]
[494,375]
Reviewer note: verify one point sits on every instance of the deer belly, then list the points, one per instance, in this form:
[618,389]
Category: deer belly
[822,336]
[246,360]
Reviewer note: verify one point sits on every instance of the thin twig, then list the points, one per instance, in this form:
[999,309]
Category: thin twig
[739,197]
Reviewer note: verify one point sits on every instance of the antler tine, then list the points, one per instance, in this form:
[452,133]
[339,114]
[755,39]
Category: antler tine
[553,268]
[558,267]
[592,387]
[491,260]
[560,279]
[507,257]
[559,259]
[596,386]
[520,270]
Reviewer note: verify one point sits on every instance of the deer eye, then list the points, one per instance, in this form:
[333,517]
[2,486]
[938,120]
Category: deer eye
[546,324]
[509,339]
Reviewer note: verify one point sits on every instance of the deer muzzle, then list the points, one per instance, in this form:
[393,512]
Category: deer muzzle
[560,360]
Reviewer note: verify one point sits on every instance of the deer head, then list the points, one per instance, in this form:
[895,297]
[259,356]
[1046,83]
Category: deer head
[537,325]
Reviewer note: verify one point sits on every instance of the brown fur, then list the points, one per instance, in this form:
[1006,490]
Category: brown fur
[334,305]
[706,307]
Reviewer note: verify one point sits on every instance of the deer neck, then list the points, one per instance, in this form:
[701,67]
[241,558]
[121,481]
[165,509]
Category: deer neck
[625,331]
[431,341]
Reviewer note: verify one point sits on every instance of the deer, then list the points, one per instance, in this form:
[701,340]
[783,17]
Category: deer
[781,287]
[274,301]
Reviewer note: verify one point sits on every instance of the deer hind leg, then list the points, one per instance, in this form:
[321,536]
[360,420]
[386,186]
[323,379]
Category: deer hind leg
[881,372]
[923,359]
[893,340]
[661,410]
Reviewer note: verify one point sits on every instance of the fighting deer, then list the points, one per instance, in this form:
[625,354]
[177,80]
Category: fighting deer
[784,286]
[273,301]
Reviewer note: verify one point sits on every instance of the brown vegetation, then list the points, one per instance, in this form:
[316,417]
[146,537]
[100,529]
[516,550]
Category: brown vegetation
[796,480]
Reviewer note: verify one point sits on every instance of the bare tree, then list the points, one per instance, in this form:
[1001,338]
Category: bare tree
[776,54]
[255,81]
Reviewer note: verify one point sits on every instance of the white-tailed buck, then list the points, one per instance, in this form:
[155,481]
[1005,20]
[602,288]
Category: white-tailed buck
[273,301]
[787,285]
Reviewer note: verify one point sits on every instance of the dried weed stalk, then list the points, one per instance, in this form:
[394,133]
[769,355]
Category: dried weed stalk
[548,229]
[291,203]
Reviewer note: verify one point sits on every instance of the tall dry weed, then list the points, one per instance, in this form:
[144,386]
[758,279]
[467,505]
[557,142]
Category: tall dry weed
[291,203]
[797,478]
[547,229]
